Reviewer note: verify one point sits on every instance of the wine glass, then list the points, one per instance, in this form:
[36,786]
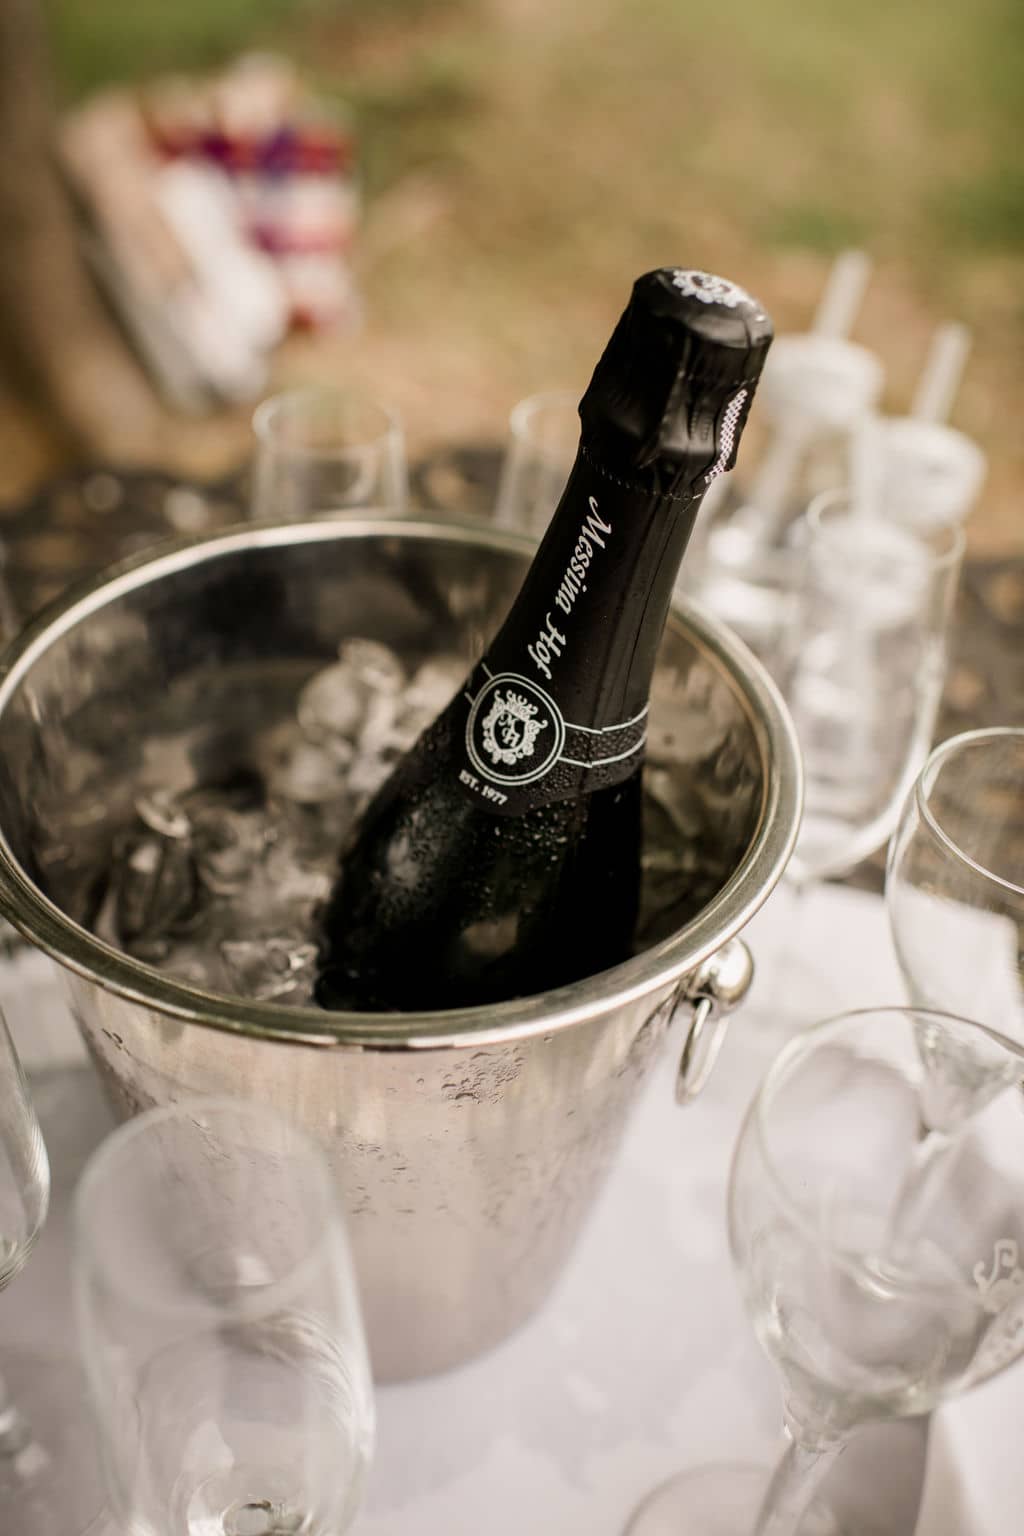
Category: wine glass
[955,880]
[543,436]
[875,1292]
[322,450]
[220,1326]
[24,1169]
[24,1198]
[49,1484]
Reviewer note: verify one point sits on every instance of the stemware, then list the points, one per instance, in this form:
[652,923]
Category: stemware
[818,391]
[876,1292]
[862,671]
[220,1327]
[24,1197]
[861,662]
[928,471]
[320,451]
[955,880]
[24,1169]
[49,1483]
[543,435]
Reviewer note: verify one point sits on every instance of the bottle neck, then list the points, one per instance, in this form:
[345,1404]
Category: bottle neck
[558,704]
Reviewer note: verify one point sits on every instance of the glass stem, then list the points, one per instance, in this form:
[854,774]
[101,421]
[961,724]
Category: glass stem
[928,1163]
[788,961]
[794,1483]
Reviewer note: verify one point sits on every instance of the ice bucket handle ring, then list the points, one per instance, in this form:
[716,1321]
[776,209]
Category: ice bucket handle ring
[714,989]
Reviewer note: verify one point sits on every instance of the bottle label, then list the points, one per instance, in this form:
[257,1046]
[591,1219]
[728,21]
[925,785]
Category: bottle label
[522,752]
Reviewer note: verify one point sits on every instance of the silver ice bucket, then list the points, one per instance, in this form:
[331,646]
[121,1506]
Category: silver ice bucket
[471,1144]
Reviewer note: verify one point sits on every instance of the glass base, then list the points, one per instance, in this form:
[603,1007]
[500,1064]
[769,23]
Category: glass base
[49,1467]
[722,1499]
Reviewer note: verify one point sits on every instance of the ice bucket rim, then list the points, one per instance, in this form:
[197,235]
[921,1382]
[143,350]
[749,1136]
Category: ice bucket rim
[653,970]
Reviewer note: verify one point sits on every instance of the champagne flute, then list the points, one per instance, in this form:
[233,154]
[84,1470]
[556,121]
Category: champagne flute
[220,1326]
[955,882]
[861,665]
[928,471]
[818,387]
[320,451]
[863,672]
[543,436]
[871,1308]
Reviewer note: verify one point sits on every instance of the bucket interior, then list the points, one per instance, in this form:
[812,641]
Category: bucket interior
[171,673]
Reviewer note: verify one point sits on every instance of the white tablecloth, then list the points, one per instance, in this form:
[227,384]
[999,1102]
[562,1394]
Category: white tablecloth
[642,1362]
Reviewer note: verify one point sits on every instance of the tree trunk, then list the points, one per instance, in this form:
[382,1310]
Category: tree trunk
[55,331]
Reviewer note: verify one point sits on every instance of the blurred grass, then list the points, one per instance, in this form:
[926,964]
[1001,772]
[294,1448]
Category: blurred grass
[821,121]
[523,159]
[100,42]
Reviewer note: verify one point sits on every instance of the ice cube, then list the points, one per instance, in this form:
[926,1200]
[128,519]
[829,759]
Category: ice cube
[434,683]
[374,667]
[219,882]
[161,813]
[367,775]
[378,726]
[431,690]
[155,887]
[228,847]
[273,969]
[674,797]
[298,864]
[352,700]
[332,704]
[688,718]
[299,770]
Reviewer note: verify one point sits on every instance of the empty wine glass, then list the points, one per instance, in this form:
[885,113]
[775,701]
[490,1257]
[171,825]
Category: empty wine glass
[321,450]
[24,1197]
[220,1327]
[24,1170]
[49,1484]
[863,671]
[543,436]
[876,1292]
[955,880]
[861,663]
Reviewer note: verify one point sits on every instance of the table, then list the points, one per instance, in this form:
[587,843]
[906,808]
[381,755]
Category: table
[642,1362]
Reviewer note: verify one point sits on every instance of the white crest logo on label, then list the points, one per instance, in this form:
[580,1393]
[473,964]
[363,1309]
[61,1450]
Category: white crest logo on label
[510,729]
[515,731]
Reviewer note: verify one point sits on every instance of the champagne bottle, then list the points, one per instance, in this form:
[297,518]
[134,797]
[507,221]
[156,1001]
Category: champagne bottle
[502,856]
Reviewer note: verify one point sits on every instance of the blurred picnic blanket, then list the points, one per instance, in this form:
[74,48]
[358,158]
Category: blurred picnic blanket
[217,213]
